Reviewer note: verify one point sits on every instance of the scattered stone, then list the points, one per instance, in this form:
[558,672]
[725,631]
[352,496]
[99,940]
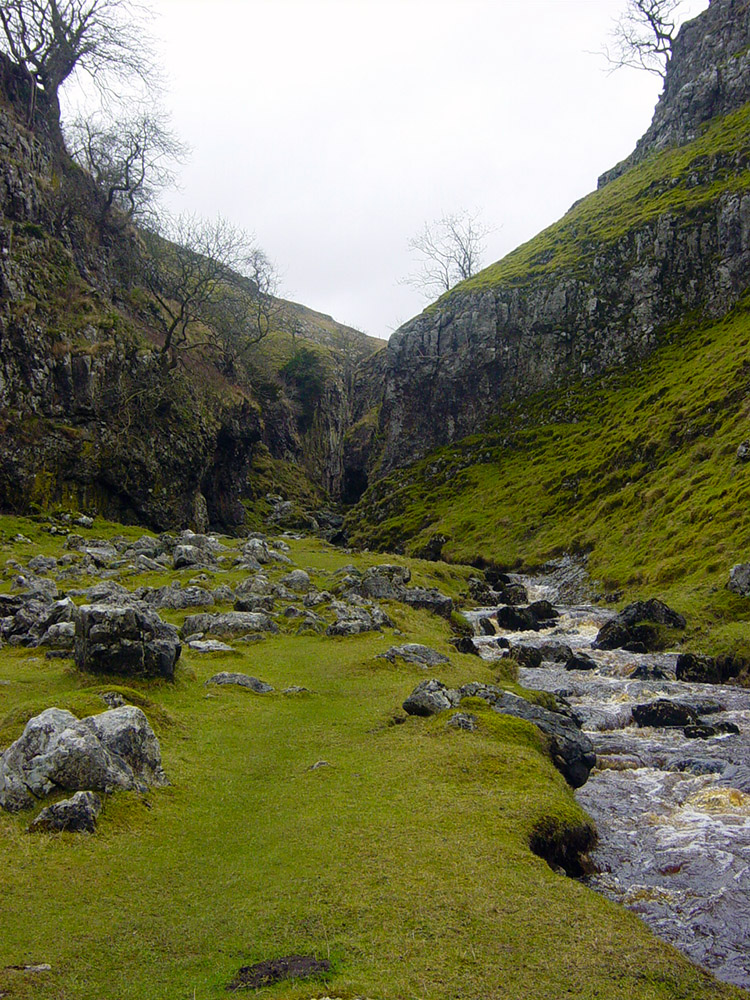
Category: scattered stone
[555,652]
[428,599]
[295,689]
[528,656]
[429,698]
[116,749]
[76,815]
[354,620]
[208,646]
[413,652]
[743,452]
[298,581]
[463,720]
[664,714]
[486,626]
[384,582]
[176,598]
[42,564]
[278,969]
[190,555]
[126,641]
[517,620]
[229,623]
[241,680]
[580,661]
[255,602]
[319,764]
[464,644]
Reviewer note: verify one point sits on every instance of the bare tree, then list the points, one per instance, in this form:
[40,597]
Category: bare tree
[448,250]
[131,160]
[52,39]
[211,288]
[643,35]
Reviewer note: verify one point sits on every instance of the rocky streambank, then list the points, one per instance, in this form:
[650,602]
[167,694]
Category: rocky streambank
[670,788]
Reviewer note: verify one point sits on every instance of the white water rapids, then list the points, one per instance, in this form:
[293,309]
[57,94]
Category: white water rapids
[673,813]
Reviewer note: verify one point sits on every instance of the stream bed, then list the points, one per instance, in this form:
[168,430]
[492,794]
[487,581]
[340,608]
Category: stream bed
[673,812]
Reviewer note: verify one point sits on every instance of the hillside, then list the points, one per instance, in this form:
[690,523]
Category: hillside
[603,415]
[602,288]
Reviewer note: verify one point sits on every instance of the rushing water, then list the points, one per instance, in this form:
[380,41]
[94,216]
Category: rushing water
[673,813]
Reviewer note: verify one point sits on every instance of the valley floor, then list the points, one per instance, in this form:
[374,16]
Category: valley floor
[317,822]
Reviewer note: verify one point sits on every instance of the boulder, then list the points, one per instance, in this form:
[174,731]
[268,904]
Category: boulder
[255,602]
[486,626]
[543,611]
[464,644]
[354,620]
[208,646]
[190,555]
[42,564]
[555,652]
[430,697]
[527,656]
[298,581]
[413,652]
[512,593]
[743,451]
[707,669]
[664,714]
[75,815]
[634,627]
[580,661]
[385,582]
[175,598]
[517,620]
[739,579]
[229,623]
[241,680]
[126,641]
[430,599]
[116,749]
[256,549]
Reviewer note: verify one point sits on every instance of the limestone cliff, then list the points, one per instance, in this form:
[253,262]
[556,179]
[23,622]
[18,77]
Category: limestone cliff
[668,237]
[91,416]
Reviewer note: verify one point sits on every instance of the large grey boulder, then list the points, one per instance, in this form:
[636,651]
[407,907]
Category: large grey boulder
[126,641]
[739,579]
[414,652]
[430,698]
[428,598]
[298,581]
[352,619]
[241,680]
[75,815]
[229,623]
[384,582]
[117,749]
[177,598]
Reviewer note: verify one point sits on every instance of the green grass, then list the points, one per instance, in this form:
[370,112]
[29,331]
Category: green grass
[405,859]
[637,469]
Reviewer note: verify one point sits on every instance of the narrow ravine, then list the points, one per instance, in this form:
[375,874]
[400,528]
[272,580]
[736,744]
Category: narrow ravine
[673,812]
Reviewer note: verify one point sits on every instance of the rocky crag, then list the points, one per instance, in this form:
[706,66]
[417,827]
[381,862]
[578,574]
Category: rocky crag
[667,236]
[91,417]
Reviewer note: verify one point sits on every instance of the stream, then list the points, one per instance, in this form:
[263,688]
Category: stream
[673,813]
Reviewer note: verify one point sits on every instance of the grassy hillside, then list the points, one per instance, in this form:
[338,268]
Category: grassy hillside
[679,182]
[638,469]
[403,859]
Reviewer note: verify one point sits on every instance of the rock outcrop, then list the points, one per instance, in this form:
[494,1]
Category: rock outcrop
[598,290]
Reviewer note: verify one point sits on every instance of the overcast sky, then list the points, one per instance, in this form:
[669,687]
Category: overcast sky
[334,129]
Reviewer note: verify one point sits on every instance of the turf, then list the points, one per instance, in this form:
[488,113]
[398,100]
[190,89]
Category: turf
[403,859]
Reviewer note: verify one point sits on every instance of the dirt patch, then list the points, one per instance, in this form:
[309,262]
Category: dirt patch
[274,970]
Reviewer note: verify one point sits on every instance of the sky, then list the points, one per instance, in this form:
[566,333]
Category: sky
[335,129]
